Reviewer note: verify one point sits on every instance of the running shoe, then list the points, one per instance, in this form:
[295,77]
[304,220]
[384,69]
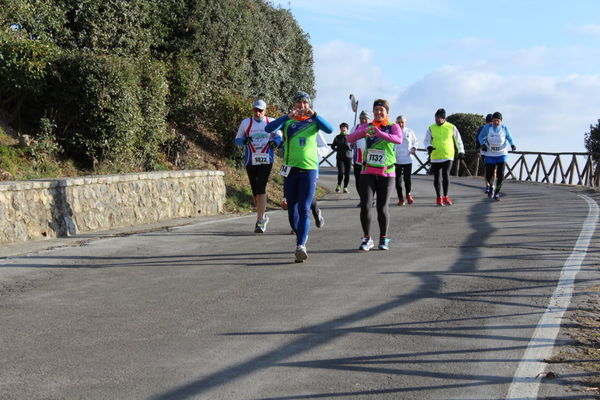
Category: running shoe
[300,254]
[439,201]
[337,188]
[284,204]
[490,193]
[447,201]
[319,220]
[487,189]
[409,199]
[401,201]
[497,197]
[261,225]
[345,190]
[384,243]
[366,244]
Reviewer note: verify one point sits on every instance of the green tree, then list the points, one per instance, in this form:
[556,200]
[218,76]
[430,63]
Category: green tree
[592,141]
[467,125]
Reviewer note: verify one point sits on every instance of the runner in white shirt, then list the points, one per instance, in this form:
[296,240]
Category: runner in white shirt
[404,158]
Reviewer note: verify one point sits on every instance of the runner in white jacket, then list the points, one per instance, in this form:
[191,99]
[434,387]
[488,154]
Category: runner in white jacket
[404,158]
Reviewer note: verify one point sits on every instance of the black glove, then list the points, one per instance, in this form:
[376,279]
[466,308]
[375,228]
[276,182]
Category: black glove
[513,147]
[484,147]
[461,156]
[247,140]
[430,149]
[272,144]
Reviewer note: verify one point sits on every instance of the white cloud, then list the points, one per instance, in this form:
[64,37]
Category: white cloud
[587,29]
[545,113]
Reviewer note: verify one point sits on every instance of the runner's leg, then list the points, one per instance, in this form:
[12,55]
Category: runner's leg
[435,168]
[305,195]
[367,188]
[398,181]
[385,186]
[446,166]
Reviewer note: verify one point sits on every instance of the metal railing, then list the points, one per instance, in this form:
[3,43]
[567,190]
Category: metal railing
[529,166]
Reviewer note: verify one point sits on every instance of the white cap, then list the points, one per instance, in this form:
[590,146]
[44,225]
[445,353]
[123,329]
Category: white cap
[260,104]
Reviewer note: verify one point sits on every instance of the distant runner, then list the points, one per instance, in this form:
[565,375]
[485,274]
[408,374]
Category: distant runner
[494,140]
[488,121]
[404,158]
[258,157]
[358,150]
[440,140]
[343,157]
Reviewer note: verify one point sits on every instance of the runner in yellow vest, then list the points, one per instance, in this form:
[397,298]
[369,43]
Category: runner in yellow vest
[440,141]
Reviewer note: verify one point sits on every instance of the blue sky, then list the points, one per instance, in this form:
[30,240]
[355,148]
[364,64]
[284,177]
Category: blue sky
[537,62]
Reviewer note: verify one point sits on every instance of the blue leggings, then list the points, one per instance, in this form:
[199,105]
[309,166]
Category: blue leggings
[299,191]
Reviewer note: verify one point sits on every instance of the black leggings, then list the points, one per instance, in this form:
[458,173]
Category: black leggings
[343,166]
[403,170]
[489,175]
[258,175]
[369,186]
[444,168]
[357,169]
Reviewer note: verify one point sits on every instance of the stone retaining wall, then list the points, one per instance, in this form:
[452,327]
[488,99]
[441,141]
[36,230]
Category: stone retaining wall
[62,207]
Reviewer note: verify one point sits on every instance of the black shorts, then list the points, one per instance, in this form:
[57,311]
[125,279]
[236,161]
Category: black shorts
[258,175]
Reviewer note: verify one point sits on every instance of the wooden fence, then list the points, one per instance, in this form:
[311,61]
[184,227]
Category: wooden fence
[558,168]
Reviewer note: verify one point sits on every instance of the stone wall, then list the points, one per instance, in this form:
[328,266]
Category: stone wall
[62,207]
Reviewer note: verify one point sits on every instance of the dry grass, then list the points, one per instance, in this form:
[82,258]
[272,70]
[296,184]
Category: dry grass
[584,355]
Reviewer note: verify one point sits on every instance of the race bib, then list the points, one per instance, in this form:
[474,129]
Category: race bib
[495,148]
[285,170]
[376,157]
[260,158]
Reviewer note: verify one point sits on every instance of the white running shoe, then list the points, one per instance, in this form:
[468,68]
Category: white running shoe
[261,225]
[366,244]
[300,254]
[319,220]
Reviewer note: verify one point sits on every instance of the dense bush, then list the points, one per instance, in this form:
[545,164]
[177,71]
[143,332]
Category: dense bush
[467,125]
[112,75]
[109,108]
[592,142]
[24,69]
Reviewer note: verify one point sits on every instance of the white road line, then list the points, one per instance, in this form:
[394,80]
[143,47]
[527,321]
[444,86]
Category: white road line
[526,382]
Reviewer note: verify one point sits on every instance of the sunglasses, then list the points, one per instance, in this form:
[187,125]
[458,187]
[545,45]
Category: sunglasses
[258,109]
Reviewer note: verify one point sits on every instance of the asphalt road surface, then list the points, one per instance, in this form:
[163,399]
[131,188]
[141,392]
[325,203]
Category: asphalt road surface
[211,310]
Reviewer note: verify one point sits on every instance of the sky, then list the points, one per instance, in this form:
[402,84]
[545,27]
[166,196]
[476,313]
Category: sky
[537,62]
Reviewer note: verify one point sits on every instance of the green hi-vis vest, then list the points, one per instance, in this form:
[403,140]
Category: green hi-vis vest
[381,153]
[442,139]
[300,144]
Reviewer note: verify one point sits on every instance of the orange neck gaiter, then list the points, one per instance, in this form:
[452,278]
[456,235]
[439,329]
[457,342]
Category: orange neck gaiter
[380,124]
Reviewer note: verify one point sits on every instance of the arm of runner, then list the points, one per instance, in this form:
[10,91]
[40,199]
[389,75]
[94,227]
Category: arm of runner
[359,133]
[277,124]
[323,124]
[241,133]
[414,143]
[394,137]
[482,134]
[277,137]
[427,141]
[458,142]
[509,136]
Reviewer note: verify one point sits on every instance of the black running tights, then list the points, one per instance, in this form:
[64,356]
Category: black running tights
[380,187]
[444,168]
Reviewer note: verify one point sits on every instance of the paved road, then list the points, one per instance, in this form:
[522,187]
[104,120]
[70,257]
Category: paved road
[214,311]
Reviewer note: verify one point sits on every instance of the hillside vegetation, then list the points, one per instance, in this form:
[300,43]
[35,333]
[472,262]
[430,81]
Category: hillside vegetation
[140,85]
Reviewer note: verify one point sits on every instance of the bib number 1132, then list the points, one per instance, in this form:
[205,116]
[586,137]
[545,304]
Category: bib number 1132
[376,157]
